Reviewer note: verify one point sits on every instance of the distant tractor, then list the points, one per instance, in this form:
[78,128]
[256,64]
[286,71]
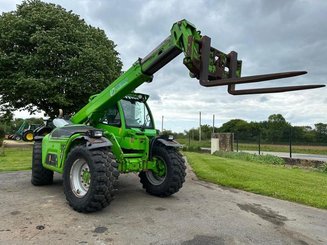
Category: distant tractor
[25,132]
[115,132]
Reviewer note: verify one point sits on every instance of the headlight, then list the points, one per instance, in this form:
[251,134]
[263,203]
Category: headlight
[96,133]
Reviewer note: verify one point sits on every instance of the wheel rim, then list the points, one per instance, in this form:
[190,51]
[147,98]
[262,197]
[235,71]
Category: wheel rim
[154,178]
[80,178]
[29,136]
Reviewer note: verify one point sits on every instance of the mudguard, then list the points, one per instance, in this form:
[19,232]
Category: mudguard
[162,140]
[168,142]
[94,143]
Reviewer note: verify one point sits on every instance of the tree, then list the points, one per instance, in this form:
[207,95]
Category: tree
[6,116]
[321,132]
[277,129]
[51,59]
[242,129]
[234,125]
[206,131]
[276,118]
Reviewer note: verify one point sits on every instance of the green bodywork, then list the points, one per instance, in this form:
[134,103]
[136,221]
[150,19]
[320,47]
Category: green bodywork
[131,145]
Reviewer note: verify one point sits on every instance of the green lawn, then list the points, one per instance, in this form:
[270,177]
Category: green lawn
[293,184]
[16,159]
[264,147]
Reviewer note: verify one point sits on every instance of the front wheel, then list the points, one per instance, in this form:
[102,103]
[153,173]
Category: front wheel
[171,167]
[90,178]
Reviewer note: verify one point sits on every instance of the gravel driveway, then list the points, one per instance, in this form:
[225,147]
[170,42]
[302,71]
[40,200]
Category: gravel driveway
[201,213]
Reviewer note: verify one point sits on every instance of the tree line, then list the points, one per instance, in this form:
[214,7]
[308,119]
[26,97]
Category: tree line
[274,130]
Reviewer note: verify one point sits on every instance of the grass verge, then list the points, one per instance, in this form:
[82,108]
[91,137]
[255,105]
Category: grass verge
[269,159]
[293,184]
[15,159]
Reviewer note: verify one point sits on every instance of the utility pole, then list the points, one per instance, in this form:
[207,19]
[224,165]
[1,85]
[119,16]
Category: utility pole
[162,119]
[200,127]
[213,123]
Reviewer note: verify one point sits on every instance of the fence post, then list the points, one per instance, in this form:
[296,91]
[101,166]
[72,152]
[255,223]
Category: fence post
[259,142]
[290,141]
[236,141]
[200,126]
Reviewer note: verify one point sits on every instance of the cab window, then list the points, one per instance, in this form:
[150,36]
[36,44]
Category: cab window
[112,117]
[136,114]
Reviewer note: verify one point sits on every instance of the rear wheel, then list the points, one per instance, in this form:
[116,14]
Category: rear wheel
[90,178]
[28,135]
[40,175]
[170,174]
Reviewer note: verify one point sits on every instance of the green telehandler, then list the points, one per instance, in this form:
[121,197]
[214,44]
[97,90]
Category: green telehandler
[115,132]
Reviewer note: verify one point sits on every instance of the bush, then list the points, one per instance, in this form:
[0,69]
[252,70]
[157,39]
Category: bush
[323,168]
[192,148]
[268,159]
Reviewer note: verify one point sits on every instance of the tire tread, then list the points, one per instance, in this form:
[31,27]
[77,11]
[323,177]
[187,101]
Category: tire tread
[177,164]
[104,174]
[40,175]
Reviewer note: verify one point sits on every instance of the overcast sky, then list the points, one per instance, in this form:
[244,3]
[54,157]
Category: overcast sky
[269,36]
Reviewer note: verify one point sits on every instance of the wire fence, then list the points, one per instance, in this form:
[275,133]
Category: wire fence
[285,141]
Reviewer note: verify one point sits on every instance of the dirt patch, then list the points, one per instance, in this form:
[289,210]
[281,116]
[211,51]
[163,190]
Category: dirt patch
[306,163]
[160,209]
[100,229]
[264,213]
[208,240]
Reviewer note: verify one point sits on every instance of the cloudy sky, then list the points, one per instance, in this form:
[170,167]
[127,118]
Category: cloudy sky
[269,36]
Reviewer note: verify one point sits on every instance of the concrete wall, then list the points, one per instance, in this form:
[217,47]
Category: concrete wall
[222,142]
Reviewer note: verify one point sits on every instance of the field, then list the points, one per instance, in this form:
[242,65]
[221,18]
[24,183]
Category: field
[293,184]
[16,159]
[322,150]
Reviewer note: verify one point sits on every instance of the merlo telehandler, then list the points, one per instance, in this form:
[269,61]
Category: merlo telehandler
[115,132]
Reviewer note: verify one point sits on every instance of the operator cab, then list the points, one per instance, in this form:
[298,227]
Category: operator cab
[131,112]
[131,122]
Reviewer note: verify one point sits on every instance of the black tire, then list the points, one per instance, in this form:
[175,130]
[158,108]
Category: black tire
[102,167]
[40,175]
[175,173]
[28,135]
[17,138]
